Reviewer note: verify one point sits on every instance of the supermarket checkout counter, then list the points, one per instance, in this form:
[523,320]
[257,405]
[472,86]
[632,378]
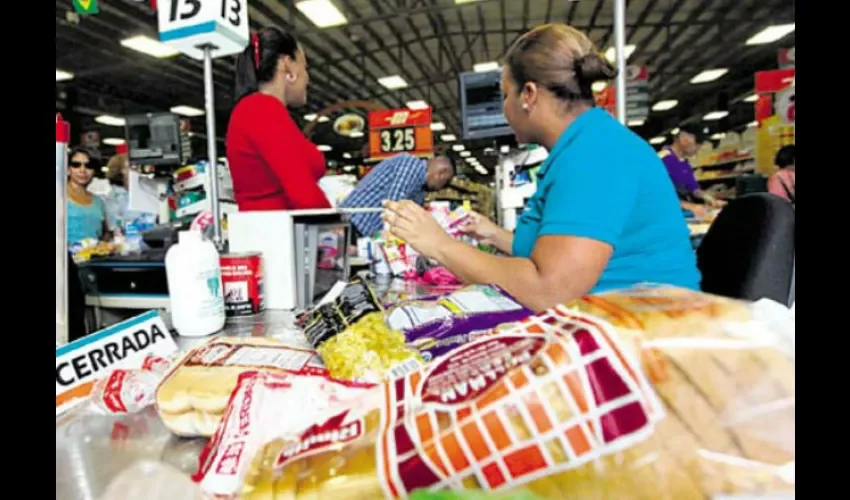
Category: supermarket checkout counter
[92,450]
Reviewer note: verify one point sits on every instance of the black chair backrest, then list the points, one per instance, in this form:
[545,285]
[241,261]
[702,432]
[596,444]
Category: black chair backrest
[748,253]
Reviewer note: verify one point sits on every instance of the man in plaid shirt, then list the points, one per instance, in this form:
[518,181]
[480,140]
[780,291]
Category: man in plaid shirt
[402,177]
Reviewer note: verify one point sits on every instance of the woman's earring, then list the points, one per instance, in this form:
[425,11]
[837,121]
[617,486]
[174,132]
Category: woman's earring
[290,77]
[525,106]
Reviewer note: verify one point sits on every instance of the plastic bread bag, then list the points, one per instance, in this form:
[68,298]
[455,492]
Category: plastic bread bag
[125,391]
[193,395]
[268,407]
[436,325]
[558,406]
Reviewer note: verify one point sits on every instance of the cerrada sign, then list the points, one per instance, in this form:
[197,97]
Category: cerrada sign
[124,345]
[187,25]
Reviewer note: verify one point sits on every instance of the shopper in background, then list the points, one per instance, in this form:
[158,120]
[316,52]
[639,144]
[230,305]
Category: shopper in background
[402,177]
[784,182]
[86,212]
[273,165]
[675,158]
[604,216]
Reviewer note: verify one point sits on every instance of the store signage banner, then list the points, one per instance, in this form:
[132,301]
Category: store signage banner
[85,7]
[188,25]
[396,131]
[125,345]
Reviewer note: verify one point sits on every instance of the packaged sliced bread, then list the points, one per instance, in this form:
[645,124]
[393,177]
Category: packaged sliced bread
[669,397]
[195,392]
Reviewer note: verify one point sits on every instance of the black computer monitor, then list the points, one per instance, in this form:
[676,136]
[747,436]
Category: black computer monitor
[481,105]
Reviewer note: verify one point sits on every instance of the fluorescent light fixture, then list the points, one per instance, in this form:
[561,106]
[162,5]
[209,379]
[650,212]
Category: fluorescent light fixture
[657,140]
[665,105]
[149,46]
[414,105]
[324,147]
[112,121]
[675,131]
[460,2]
[393,82]
[771,34]
[448,137]
[187,111]
[324,119]
[322,13]
[753,124]
[709,75]
[310,117]
[611,53]
[62,76]
[505,149]
[752,98]
[347,156]
[598,86]
[113,141]
[635,123]
[355,134]
[438,126]
[715,115]
[458,147]
[469,159]
[718,136]
[465,153]
[485,67]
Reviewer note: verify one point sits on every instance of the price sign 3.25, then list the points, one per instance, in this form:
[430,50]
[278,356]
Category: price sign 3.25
[400,131]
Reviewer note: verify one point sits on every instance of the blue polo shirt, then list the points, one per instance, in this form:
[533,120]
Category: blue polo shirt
[602,181]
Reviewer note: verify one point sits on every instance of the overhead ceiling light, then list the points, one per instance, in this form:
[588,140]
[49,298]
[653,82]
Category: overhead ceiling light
[469,159]
[448,137]
[665,105]
[149,46]
[354,134]
[465,153]
[675,131]
[635,123]
[347,156]
[718,136]
[485,67]
[324,147]
[393,82]
[751,98]
[715,115]
[464,1]
[770,34]
[598,86]
[187,111]
[310,117]
[324,119]
[112,121]
[709,75]
[753,124]
[657,140]
[62,76]
[113,141]
[505,149]
[438,126]
[414,105]
[458,147]
[611,53]
[322,13]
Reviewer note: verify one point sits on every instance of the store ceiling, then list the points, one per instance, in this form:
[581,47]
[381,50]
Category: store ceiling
[428,43]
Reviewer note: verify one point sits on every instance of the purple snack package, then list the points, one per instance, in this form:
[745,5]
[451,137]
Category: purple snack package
[435,326]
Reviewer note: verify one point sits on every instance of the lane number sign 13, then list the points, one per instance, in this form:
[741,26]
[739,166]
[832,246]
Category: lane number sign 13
[182,13]
[398,140]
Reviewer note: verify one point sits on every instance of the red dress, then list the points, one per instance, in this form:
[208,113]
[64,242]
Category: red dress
[273,165]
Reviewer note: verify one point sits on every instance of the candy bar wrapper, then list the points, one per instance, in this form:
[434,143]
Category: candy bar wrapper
[356,301]
[265,407]
[559,406]
[435,326]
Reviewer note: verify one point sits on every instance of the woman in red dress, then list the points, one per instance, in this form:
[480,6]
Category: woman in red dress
[273,165]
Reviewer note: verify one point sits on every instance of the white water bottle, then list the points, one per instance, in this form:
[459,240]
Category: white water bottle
[193,269]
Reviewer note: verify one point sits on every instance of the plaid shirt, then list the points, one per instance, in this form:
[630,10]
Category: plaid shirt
[401,177]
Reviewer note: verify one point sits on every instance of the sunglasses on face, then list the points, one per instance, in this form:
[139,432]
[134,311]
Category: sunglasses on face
[83,164]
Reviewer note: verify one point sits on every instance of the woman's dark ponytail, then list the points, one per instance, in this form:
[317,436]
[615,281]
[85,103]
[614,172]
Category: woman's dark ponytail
[258,62]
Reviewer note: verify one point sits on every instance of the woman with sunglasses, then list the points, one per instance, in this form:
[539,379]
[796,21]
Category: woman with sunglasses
[86,212]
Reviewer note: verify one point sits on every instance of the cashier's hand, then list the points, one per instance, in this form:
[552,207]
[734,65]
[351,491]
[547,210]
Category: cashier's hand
[412,224]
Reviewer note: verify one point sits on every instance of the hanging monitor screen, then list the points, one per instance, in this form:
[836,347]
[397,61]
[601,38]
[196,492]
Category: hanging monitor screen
[481,105]
[154,139]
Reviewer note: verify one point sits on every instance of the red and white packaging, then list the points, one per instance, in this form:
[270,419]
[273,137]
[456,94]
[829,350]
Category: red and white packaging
[129,391]
[264,407]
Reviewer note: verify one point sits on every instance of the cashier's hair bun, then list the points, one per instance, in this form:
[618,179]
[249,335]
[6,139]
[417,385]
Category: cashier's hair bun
[561,59]
[257,64]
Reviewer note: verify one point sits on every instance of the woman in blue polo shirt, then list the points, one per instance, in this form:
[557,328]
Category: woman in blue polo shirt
[605,214]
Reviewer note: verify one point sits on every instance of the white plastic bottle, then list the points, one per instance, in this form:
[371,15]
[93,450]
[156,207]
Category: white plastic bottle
[193,269]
